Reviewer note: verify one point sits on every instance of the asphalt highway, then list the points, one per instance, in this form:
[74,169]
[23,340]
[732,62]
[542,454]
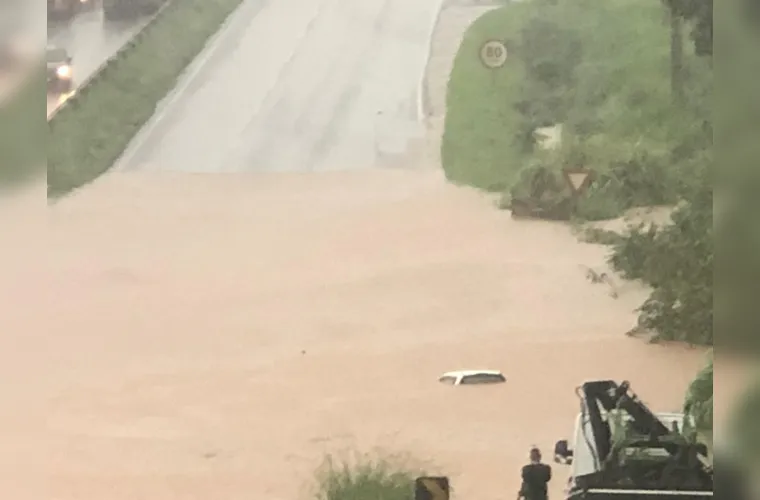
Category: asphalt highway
[295,85]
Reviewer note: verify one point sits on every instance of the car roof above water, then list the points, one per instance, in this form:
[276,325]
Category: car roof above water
[470,373]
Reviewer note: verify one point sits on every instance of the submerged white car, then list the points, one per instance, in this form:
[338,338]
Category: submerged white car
[463,377]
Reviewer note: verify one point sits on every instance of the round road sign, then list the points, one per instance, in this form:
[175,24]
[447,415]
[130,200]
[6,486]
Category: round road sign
[493,53]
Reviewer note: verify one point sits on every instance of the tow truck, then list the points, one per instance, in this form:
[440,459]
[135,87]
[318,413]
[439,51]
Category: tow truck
[621,450]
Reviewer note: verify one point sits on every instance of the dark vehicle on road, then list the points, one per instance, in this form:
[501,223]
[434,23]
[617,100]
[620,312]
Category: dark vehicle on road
[59,71]
[61,10]
[115,10]
[88,5]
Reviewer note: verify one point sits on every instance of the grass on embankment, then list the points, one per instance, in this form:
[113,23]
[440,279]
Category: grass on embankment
[22,132]
[601,70]
[87,136]
[476,147]
[366,478]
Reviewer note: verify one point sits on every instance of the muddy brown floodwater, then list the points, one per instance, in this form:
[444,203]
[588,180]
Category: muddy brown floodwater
[196,336]
[211,336]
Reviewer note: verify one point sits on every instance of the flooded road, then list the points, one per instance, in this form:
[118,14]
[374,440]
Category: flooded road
[90,41]
[212,336]
[203,336]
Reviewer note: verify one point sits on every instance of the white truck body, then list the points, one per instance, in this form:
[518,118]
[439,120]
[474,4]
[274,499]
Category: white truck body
[584,451]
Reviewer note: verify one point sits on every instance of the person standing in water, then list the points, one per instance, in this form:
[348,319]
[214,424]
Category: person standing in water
[535,478]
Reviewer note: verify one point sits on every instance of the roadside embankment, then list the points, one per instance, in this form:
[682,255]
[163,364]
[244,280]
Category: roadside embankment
[451,23]
[92,131]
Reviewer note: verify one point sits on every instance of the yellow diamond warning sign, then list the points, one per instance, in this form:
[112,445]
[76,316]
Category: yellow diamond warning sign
[431,488]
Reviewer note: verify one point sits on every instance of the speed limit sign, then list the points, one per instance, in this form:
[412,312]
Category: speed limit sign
[493,54]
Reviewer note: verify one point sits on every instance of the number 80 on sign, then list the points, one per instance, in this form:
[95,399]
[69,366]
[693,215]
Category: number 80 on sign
[493,54]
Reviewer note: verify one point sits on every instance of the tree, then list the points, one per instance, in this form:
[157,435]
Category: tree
[550,53]
[699,399]
[700,14]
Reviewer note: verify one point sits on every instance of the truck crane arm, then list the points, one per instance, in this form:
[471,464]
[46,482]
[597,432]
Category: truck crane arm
[652,458]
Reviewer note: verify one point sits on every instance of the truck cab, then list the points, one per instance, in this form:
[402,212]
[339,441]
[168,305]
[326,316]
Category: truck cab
[621,450]
[580,453]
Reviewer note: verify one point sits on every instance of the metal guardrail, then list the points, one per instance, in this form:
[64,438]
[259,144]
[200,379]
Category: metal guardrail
[125,49]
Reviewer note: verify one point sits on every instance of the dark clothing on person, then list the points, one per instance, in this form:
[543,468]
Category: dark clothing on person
[536,478]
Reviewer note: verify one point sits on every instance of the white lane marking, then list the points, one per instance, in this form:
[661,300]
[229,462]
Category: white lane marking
[425,62]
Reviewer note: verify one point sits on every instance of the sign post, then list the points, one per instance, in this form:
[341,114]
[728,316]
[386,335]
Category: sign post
[432,488]
[578,179]
[493,54]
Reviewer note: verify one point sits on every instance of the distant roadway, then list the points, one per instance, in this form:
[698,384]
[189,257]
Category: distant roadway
[295,85]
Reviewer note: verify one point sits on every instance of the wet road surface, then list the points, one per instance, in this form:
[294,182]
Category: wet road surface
[296,85]
[91,41]
[212,336]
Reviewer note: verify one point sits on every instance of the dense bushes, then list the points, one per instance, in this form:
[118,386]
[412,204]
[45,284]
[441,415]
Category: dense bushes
[617,112]
[633,98]
[642,121]
[677,261]
[550,52]
[699,399]
[650,143]
[366,478]
[601,70]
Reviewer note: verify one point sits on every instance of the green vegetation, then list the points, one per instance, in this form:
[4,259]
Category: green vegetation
[90,133]
[477,144]
[699,399]
[603,72]
[677,261]
[22,132]
[630,83]
[366,478]
[632,94]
